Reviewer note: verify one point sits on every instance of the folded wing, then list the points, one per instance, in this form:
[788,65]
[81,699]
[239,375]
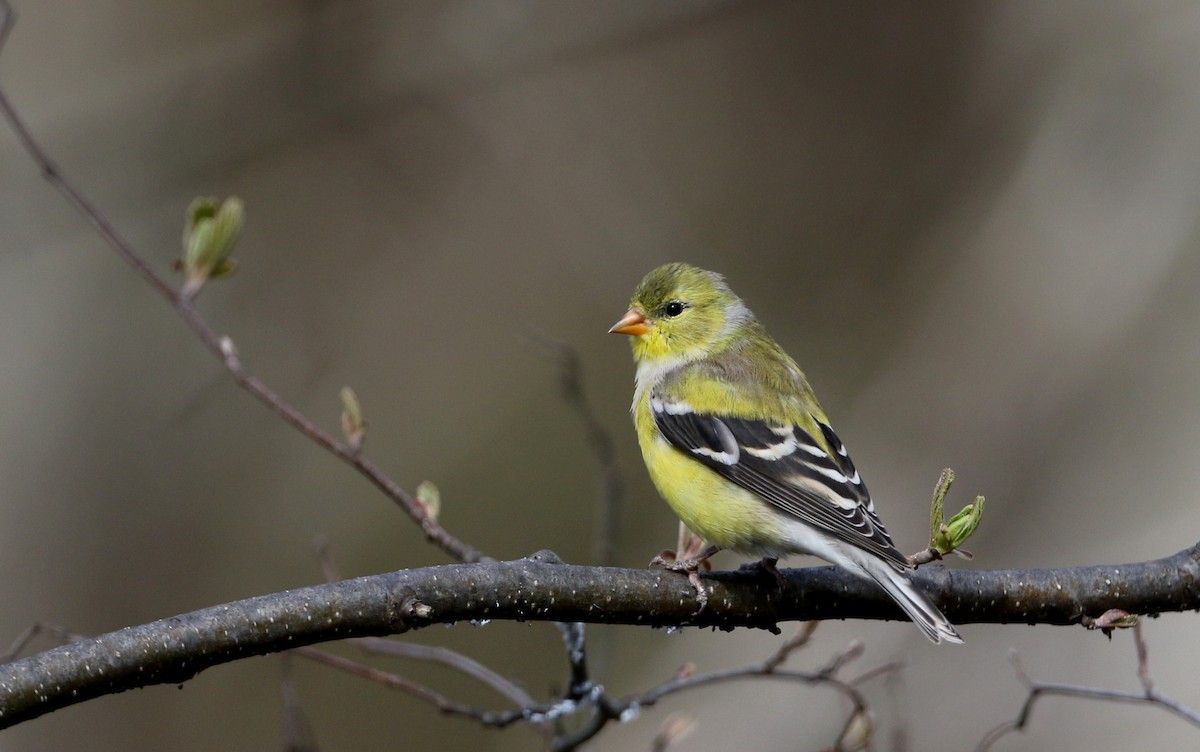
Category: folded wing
[808,478]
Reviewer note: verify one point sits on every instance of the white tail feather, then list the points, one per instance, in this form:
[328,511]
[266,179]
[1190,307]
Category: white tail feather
[805,539]
[918,607]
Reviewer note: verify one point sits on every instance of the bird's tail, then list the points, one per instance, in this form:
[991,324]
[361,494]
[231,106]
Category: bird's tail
[915,603]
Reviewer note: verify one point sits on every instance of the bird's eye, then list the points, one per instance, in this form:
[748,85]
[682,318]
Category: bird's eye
[674,308]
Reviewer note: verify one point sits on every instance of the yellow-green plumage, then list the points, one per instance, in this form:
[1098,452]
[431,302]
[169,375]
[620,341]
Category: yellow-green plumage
[753,378]
[736,442]
[730,518]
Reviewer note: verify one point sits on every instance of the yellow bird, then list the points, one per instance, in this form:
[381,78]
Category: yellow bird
[737,444]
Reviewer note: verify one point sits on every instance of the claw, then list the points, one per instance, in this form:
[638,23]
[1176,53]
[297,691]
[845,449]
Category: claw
[698,586]
[766,565]
[690,566]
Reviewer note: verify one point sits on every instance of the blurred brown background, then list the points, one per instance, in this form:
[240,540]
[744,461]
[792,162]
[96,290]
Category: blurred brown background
[973,224]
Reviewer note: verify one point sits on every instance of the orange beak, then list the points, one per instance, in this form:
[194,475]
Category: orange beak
[632,323]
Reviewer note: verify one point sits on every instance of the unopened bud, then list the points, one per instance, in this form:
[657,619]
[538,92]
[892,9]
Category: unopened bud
[354,427]
[430,499]
[939,496]
[962,525]
[211,230]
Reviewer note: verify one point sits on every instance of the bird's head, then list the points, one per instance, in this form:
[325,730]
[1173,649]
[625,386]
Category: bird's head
[679,311]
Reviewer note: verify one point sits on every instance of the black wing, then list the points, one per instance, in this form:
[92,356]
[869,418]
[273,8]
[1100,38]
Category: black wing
[787,468]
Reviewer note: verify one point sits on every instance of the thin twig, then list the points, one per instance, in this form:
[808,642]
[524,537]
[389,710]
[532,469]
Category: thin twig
[452,659]
[576,645]
[221,347]
[1143,660]
[604,539]
[538,715]
[612,488]
[629,707]
[8,17]
[38,627]
[328,568]
[887,669]
[852,651]
[441,702]
[1148,695]
[605,709]
[297,731]
[582,692]
[652,696]
[797,641]
[444,656]
[898,711]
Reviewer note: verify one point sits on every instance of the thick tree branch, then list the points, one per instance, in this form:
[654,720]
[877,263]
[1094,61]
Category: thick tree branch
[540,588]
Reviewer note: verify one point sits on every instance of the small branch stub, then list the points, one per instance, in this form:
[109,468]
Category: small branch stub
[1114,618]
[229,353]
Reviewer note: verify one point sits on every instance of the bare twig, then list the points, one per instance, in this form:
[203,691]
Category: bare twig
[222,347]
[452,659]
[886,669]
[438,700]
[686,679]
[328,568]
[297,732]
[1148,695]
[576,645]
[797,641]
[630,707]
[612,488]
[633,704]
[8,17]
[897,710]
[527,709]
[853,650]
[38,627]
[440,655]
[1143,659]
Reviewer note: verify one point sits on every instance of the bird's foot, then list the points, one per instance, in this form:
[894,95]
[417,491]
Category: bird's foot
[766,565]
[689,565]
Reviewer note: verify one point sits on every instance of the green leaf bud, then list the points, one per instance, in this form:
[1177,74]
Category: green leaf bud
[210,232]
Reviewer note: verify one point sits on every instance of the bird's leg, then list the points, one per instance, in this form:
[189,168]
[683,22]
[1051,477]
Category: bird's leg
[766,565]
[688,548]
[688,561]
[673,562]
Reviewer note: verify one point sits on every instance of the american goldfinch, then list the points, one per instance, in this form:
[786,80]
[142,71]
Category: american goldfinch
[737,444]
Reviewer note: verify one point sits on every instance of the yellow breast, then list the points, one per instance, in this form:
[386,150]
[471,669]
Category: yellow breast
[717,510]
